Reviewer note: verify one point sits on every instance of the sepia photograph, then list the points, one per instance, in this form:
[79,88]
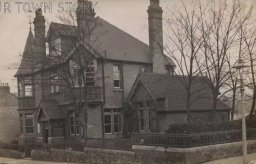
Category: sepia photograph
[128,81]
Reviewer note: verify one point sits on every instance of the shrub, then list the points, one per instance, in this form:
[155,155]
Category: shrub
[199,127]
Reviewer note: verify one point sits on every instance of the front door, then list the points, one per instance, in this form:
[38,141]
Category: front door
[45,132]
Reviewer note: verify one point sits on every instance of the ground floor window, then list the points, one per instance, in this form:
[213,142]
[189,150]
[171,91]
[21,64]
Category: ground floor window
[29,123]
[21,123]
[143,114]
[38,128]
[112,121]
[74,128]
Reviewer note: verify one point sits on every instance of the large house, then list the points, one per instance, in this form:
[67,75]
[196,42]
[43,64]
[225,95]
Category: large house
[47,103]
[74,82]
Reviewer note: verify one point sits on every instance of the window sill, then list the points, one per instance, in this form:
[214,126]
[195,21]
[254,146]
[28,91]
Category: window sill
[118,89]
[24,97]
[55,93]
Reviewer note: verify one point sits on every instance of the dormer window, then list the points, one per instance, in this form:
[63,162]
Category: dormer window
[55,47]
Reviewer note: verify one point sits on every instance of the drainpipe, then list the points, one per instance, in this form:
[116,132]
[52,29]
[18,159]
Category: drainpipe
[104,99]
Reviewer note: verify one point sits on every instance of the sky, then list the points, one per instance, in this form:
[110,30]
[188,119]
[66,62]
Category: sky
[129,15]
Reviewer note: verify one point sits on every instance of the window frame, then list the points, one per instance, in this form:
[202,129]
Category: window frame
[29,117]
[55,47]
[54,84]
[120,72]
[89,73]
[75,125]
[145,118]
[112,112]
[21,123]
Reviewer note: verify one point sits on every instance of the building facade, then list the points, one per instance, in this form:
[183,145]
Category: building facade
[74,82]
[9,115]
[157,101]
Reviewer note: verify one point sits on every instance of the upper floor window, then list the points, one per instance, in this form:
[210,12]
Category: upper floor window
[25,87]
[88,74]
[117,76]
[77,77]
[54,81]
[169,70]
[55,47]
[112,121]
[143,69]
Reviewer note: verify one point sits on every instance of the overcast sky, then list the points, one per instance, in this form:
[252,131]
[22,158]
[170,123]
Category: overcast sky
[128,15]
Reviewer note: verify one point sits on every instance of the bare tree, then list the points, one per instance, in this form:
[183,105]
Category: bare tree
[183,44]
[249,37]
[224,22]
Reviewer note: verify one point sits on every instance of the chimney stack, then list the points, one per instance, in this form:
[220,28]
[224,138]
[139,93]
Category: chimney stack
[85,17]
[39,28]
[156,36]
[4,89]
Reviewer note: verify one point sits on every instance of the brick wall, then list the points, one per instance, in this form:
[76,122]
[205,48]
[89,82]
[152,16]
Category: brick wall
[146,154]
[10,154]
[90,155]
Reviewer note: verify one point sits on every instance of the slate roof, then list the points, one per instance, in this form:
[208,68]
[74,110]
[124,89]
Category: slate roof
[62,29]
[108,38]
[51,110]
[28,58]
[171,88]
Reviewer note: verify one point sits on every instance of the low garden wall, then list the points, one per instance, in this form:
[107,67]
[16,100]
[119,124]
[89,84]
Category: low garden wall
[146,154]
[90,155]
[161,155]
[10,153]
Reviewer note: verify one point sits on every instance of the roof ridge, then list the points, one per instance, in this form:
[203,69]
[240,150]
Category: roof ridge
[63,24]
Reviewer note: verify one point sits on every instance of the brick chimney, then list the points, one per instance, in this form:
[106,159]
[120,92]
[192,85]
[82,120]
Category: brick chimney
[39,29]
[156,36]
[4,89]
[85,17]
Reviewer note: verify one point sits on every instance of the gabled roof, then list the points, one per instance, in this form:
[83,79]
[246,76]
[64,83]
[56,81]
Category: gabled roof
[50,109]
[62,29]
[28,57]
[107,38]
[170,88]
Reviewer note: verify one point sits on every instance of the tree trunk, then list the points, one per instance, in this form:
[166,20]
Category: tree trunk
[253,102]
[188,106]
[233,105]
